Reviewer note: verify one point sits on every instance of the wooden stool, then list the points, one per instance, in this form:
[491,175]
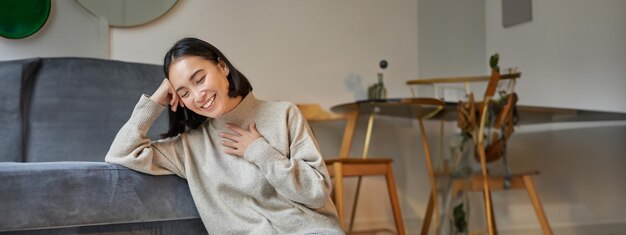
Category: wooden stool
[350,167]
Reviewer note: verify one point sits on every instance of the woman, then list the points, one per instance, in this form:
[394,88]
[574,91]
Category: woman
[252,166]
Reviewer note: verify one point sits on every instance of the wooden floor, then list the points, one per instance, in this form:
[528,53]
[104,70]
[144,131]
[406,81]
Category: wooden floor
[596,229]
[373,232]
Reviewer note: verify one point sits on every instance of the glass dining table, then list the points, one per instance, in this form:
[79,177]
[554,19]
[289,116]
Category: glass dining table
[432,108]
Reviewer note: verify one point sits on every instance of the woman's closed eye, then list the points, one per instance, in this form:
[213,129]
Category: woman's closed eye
[201,80]
[184,94]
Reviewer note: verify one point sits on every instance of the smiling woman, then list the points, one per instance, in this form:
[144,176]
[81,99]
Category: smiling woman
[253,166]
[22,18]
[128,13]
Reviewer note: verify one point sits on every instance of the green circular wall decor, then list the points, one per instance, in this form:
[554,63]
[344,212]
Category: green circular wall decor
[22,18]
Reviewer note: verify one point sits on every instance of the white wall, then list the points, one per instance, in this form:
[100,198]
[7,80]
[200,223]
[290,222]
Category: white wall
[572,53]
[69,31]
[451,38]
[303,51]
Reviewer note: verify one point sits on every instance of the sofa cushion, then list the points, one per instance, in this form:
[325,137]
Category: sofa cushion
[68,194]
[12,95]
[79,104]
[170,227]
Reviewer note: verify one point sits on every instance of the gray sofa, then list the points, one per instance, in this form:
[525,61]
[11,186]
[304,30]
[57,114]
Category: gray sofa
[58,117]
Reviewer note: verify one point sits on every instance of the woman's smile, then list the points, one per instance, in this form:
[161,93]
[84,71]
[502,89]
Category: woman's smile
[209,103]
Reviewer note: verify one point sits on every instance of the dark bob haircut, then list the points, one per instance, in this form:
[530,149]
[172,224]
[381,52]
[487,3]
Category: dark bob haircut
[238,85]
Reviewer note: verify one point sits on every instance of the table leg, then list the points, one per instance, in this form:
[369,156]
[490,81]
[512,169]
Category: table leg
[431,174]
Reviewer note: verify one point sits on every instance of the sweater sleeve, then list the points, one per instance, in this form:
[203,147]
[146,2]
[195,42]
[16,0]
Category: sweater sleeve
[301,176]
[133,148]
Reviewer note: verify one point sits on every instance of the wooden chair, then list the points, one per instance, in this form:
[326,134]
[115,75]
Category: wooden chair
[489,182]
[474,123]
[350,167]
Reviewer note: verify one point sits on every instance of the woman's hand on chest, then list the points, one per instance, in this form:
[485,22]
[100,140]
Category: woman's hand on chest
[237,141]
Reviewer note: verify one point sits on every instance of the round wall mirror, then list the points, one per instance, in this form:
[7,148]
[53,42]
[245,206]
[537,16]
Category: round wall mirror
[128,13]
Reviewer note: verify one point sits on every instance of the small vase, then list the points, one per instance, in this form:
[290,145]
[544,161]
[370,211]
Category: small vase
[381,90]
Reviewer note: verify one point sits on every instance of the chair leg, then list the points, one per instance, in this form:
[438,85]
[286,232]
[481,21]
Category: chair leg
[428,215]
[457,186]
[486,192]
[337,167]
[354,204]
[395,205]
[488,208]
[541,215]
[491,223]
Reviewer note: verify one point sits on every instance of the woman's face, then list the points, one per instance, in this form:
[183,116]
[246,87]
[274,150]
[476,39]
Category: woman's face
[202,85]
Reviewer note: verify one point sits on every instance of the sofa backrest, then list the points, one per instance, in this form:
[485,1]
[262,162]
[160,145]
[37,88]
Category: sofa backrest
[77,105]
[12,75]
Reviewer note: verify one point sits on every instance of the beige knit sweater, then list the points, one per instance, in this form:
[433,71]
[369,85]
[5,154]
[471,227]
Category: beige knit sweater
[280,186]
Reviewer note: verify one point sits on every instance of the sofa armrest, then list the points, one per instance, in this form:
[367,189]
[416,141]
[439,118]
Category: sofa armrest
[65,194]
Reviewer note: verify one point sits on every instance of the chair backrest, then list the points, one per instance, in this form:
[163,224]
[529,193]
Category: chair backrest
[315,113]
[499,115]
[484,110]
[474,116]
